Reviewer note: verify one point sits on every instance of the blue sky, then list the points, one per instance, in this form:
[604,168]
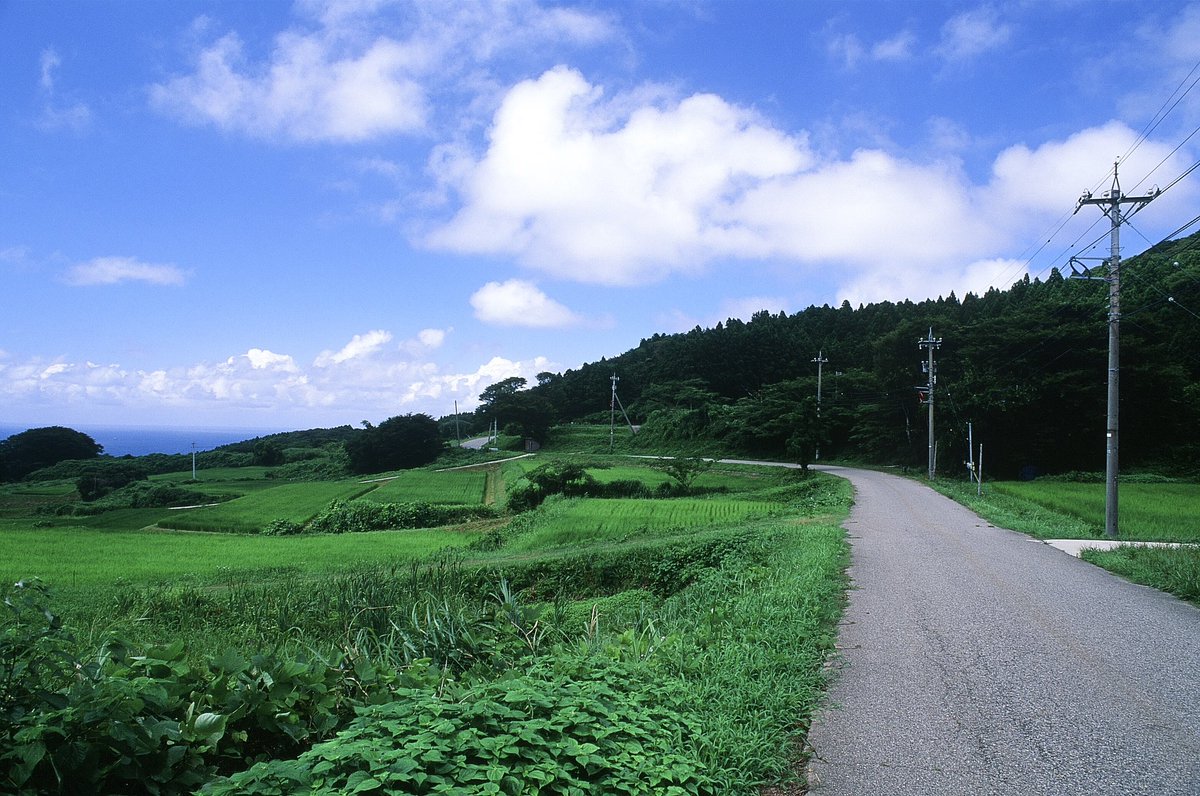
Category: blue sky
[285,215]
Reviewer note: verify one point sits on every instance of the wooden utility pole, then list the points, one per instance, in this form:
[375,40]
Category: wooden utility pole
[1111,203]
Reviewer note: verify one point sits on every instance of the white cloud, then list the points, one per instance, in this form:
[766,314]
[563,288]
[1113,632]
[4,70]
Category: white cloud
[261,383]
[897,48]
[745,308]
[621,193]
[847,48]
[114,270]
[568,189]
[1049,179]
[49,62]
[56,114]
[972,33]
[934,280]
[519,303]
[359,347]
[312,90]
[358,71]
[432,338]
[851,50]
[262,359]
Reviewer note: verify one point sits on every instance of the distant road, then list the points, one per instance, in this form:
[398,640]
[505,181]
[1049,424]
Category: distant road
[976,660]
[476,443]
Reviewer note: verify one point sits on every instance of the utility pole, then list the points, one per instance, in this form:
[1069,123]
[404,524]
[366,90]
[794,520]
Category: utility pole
[612,413]
[931,343]
[193,461]
[820,360]
[1110,204]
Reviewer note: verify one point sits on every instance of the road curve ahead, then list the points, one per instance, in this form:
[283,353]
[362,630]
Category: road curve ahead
[975,660]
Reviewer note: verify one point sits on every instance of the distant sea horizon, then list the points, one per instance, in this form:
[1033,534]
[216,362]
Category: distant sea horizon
[143,440]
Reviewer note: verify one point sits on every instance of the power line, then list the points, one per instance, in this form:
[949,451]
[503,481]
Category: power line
[1163,112]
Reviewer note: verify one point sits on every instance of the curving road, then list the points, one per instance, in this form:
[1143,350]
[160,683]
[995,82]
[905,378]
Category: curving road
[975,660]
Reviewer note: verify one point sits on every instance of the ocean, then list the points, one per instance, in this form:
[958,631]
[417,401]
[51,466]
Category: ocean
[139,441]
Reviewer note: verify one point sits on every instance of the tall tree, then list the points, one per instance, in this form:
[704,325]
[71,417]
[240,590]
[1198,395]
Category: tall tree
[36,448]
[397,443]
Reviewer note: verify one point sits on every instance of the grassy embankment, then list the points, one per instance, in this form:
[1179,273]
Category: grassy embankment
[1149,512]
[722,606]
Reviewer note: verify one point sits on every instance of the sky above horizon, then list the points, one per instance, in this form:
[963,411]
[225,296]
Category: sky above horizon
[279,215]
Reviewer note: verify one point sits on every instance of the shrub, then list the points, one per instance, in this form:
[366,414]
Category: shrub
[282,528]
[98,479]
[144,495]
[360,516]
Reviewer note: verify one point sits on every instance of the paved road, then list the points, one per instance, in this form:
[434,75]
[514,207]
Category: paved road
[978,661]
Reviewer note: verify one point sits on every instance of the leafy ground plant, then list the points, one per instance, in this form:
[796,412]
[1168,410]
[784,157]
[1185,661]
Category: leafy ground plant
[603,728]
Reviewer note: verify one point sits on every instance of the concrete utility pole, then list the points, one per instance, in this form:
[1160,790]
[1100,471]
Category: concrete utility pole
[931,343]
[1111,203]
[612,413]
[820,360]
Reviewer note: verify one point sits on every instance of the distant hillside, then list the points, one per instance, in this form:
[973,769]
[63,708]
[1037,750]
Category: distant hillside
[1027,366]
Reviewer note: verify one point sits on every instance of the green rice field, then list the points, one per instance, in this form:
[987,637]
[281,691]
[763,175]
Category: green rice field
[250,513]
[465,487]
[580,521]
[1147,512]
[74,557]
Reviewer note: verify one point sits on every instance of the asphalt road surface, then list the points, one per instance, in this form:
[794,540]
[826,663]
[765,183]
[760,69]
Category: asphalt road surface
[975,660]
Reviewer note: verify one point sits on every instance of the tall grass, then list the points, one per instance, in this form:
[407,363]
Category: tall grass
[1173,570]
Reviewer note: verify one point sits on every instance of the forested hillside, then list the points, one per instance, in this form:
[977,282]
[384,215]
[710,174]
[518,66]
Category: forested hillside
[1026,366]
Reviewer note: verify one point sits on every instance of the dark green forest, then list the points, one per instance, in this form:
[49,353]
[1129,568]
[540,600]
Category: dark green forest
[1026,366]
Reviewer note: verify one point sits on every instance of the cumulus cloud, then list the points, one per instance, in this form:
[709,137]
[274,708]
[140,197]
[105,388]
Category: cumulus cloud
[114,270]
[622,192]
[357,71]
[311,91]
[378,381]
[360,346]
[1048,179]
[566,190]
[519,303]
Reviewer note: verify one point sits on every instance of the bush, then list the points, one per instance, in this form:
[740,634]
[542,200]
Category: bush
[148,721]
[282,528]
[144,495]
[97,479]
[360,516]
[323,468]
